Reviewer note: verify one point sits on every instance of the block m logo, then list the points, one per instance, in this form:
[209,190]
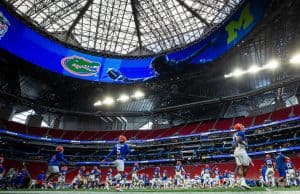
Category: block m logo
[244,21]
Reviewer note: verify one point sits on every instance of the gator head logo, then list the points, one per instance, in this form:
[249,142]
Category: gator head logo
[80,66]
[4,24]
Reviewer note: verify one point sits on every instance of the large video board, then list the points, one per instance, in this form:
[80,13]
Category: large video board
[24,42]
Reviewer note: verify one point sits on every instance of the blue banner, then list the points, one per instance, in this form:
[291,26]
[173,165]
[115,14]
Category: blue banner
[24,42]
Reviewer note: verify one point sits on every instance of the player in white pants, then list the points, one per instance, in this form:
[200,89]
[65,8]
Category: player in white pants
[231,179]
[291,173]
[108,179]
[206,176]
[141,182]
[197,181]
[179,171]
[217,180]
[270,172]
[156,181]
[120,150]
[241,157]
[165,179]
[298,177]
[62,178]
[134,175]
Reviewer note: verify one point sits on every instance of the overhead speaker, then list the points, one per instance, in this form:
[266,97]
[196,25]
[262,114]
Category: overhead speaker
[34,120]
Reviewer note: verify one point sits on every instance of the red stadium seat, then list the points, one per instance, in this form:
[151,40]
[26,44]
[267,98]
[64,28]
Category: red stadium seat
[87,135]
[15,127]
[189,128]
[71,135]
[55,133]
[246,121]
[198,127]
[38,131]
[35,168]
[223,124]
[260,119]
[296,110]
[281,114]
[205,126]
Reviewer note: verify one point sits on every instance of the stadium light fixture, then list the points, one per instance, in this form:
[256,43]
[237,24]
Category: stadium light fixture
[108,101]
[138,94]
[254,69]
[227,75]
[123,98]
[98,103]
[295,59]
[273,64]
[237,73]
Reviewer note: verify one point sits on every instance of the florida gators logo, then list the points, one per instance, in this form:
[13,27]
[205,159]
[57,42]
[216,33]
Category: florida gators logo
[4,24]
[80,66]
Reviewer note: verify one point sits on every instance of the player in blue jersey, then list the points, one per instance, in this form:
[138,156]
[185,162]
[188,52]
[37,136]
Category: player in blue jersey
[197,181]
[53,163]
[217,174]
[134,175]
[108,179]
[241,157]
[179,171]
[40,180]
[142,179]
[120,150]
[124,182]
[206,172]
[2,172]
[281,168]
[165,179]
[263,171]
[298,177]
[156,180]
[225,177]
[290,173]
[81,171]
[270,172]
[80,175]
[62,178]
[95,173]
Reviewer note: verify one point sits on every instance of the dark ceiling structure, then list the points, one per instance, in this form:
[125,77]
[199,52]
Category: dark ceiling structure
[201,94]
[126,27]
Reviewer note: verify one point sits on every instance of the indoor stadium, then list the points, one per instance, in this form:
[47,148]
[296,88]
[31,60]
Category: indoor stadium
[137,96]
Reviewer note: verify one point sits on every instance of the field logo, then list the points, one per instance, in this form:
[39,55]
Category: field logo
[80,66]
[4,24]
[244,21]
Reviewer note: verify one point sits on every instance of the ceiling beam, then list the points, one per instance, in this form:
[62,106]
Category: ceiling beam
[134,4]
[196,14]
[97,25]
[80,14]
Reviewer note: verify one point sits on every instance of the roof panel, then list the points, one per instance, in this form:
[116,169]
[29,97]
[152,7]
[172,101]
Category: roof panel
[108,26]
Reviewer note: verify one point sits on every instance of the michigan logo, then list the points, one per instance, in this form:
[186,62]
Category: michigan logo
[80,66]
[4,24]
[243,23]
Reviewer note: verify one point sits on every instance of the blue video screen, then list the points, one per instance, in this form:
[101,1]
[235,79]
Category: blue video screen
[24,42]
